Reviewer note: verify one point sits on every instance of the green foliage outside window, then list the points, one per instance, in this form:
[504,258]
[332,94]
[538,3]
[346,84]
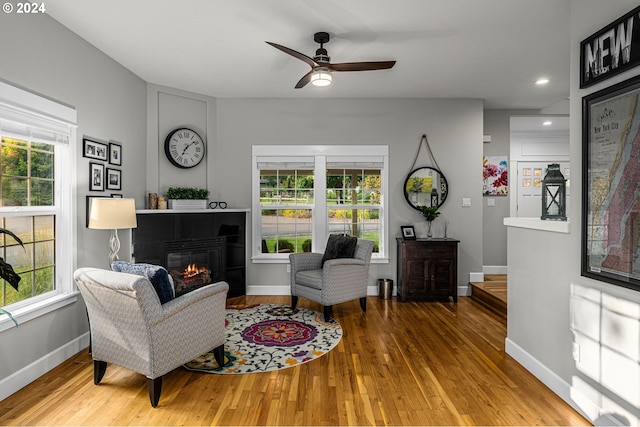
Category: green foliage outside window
[26,171]
[26,179]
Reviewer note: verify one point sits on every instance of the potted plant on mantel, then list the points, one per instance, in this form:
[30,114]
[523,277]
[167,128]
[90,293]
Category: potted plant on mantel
[187,198]
[7,273]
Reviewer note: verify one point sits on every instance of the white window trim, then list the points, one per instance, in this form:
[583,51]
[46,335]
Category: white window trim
[320,153]
[16,103]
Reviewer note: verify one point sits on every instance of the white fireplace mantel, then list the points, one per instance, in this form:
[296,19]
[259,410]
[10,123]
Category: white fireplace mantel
[174,211]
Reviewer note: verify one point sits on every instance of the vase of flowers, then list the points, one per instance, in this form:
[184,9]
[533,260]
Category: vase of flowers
[430,213]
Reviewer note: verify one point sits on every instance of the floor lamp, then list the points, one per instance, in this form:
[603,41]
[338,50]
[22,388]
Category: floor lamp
[112,214]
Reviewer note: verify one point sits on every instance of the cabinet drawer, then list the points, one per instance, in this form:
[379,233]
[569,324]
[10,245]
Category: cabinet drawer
[418,251]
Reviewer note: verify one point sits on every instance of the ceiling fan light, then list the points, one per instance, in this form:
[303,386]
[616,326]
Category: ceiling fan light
[321,77]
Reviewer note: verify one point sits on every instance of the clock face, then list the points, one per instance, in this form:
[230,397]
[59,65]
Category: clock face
[184,148]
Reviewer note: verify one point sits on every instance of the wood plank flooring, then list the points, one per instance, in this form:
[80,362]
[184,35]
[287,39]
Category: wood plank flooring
[414,363]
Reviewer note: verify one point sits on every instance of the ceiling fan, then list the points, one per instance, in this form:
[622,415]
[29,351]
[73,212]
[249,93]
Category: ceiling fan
[321,67]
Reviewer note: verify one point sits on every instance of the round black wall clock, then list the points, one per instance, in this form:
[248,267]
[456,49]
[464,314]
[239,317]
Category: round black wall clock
[184,148]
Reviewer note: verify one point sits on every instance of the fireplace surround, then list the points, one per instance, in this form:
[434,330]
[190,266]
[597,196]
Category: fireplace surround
[212,240]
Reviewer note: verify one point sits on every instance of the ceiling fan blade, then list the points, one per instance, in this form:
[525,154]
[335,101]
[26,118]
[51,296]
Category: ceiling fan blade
[360,66]
[295,54]
[304,80]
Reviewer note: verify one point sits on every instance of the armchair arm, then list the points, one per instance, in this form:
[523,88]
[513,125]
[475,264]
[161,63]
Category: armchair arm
[176,305]
[344,279]
[305,261]
[343,261]
[187,327]
[340,270]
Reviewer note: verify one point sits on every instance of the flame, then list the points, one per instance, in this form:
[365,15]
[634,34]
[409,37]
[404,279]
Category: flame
[193,270]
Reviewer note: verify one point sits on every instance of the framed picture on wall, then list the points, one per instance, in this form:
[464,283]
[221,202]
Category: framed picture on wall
[610,184]
[96,176]
[114,178]
[115,154]
[93,149]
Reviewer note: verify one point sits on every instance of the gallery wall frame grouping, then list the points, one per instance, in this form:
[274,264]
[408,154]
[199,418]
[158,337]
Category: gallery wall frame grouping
[102,177]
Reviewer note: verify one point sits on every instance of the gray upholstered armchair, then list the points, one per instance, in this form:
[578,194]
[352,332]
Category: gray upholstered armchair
[130,328]
[338,280]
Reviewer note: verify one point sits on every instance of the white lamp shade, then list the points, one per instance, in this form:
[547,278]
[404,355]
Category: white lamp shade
[113,214]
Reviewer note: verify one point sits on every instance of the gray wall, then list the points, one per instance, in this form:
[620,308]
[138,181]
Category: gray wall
[545,303]
[454,129]
[39,54]
[494,233]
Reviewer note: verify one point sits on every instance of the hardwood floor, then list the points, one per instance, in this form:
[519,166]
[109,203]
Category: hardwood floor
[414,363]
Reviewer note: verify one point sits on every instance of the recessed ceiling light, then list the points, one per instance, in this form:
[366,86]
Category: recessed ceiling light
[547,123]
[542,81]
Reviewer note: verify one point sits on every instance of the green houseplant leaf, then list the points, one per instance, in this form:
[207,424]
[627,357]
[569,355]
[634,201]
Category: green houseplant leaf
[187,193]
[6,270]
[430,213]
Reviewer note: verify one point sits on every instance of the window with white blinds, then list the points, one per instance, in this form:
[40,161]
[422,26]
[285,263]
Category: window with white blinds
[35,197]
[304,193]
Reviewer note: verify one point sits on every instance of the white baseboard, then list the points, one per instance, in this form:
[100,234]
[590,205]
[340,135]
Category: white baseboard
[268,290]
[38,368]
[494,269]
[564,390]
[372,290]
[476,277]
[464,290]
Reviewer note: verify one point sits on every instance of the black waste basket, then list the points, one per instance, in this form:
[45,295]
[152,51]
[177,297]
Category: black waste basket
[385,287]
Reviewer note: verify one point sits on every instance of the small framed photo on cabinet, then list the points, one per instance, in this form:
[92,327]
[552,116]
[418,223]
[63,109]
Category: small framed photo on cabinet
[408,232]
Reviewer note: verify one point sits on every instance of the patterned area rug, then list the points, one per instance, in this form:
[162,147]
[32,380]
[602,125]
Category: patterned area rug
[269,337]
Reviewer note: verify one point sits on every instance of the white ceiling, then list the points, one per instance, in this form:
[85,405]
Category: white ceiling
[488,49]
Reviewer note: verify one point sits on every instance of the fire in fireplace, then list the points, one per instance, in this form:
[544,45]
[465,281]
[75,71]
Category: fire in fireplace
[194,263]
[195,274]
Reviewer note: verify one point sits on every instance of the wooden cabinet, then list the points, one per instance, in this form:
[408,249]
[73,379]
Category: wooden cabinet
[427,269]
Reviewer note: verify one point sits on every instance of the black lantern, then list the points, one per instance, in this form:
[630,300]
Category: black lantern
[434,197]
[554,194]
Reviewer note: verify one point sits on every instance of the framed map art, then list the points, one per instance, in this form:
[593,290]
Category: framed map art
[611,184]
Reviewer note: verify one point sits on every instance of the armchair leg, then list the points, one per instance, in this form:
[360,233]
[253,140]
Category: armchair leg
[155,388]
[99,368]
[294,301]
[327,312]
[218,353]
[363,304]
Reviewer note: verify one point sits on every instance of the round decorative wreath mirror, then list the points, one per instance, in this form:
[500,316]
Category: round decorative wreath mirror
[425,186]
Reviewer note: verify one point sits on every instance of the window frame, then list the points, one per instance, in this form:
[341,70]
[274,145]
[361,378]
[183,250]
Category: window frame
[320,225]
[36,113]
